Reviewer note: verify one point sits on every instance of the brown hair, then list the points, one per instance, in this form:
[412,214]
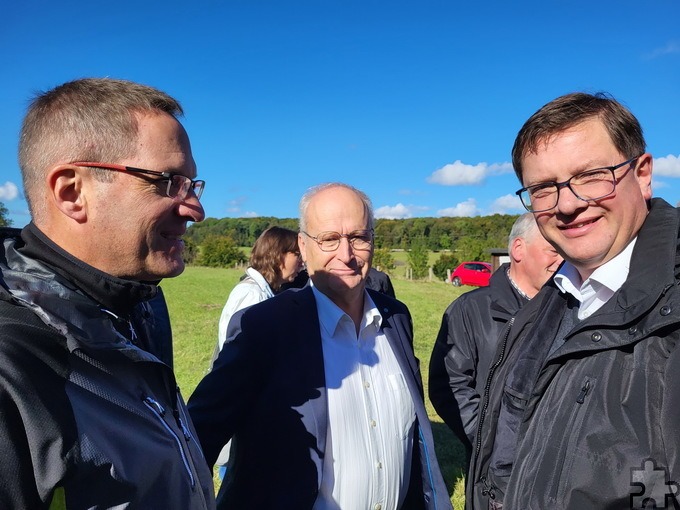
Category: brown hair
[268,252]
[91,119]
[571,109]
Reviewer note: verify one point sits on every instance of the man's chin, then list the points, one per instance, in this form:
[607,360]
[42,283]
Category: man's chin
[338,283]
[168,269]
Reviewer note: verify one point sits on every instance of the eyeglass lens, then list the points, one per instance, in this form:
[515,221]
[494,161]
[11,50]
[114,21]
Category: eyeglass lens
[587,186]
[330,241]
[179,186]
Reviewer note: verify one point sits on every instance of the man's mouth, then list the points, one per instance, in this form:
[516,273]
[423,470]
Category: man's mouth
[580,224]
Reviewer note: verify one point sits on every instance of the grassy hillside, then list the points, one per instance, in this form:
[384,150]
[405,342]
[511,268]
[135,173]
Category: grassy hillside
[196,298]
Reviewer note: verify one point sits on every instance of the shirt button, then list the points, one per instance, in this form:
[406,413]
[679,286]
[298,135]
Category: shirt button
[367,384]
[378,507]
[378,465]
[372,423]
[596,337]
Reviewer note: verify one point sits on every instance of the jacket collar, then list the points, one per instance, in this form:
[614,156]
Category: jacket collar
[505,300]
[115,294]
[654,263]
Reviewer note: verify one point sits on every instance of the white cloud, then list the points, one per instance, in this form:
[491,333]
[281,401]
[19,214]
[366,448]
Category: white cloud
[249,214]
[657,184]
[670,48]
[507,204]
[398,212]
[467,208]
[9,191]
[461,174]
[234,205]
[667,167]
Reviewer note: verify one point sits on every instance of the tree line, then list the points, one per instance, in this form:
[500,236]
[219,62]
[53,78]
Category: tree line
[215,242]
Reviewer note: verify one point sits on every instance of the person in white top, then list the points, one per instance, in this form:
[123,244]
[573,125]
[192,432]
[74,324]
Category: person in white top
[274,260]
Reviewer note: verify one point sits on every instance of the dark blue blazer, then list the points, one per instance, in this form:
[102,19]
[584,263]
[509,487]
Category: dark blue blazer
[267,393]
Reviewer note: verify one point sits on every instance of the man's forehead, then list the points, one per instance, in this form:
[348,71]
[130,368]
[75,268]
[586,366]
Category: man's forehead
[336,205]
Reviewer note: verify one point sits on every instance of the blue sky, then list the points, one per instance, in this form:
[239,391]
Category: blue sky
[415,102]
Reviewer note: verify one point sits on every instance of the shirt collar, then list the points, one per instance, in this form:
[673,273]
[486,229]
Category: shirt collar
[260,281]
[612,274]
[331,314]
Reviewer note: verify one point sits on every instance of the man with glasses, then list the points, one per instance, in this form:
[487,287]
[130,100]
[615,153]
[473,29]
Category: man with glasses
[90,412]
[318,388]
[583,407]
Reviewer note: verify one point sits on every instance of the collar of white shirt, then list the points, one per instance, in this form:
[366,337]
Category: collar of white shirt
[260,280]
[596,290]
[330,314]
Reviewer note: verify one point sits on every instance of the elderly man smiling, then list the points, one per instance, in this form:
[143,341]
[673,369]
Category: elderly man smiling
[320,389]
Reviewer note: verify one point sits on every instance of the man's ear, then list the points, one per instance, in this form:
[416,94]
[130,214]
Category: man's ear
[302,247]
[643,173]
[517,249]
[66,191]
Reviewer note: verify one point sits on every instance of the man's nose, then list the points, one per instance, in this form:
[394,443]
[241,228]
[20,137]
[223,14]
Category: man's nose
[568,202]
[344,251]
[191,208]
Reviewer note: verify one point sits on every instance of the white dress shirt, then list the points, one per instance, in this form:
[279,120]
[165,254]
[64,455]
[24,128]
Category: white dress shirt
[602,284]
[371,414]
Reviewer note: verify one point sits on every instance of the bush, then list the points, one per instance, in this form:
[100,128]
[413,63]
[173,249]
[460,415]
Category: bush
[220,251]
[418,258]
[446,261]
[383,260]
[190,251]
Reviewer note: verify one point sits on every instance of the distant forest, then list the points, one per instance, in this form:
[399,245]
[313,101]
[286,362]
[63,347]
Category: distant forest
[470,238]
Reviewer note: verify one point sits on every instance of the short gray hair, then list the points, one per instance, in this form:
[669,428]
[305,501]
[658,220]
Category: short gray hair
[90,119]
[311,192]
[524,228]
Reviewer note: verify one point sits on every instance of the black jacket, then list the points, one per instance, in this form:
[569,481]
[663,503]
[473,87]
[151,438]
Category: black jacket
[464,350]
[380,282]
[90,417]
[597,426]
[267,392]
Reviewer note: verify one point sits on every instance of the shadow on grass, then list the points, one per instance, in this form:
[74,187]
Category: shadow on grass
[451,456]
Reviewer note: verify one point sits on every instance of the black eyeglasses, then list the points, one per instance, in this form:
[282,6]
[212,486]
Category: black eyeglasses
[178,185]
[587,186]
[330,241]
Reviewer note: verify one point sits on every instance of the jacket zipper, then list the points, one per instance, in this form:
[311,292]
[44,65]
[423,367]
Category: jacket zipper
[580,400]
[487,389]
[159,411]
[183,421]
[584,391]
[489,489]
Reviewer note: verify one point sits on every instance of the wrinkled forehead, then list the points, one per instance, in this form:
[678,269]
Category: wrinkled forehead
[336,209]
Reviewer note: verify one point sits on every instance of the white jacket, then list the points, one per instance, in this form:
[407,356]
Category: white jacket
[251,290]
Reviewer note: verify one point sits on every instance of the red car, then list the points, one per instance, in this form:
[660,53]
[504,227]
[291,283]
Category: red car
[472,273]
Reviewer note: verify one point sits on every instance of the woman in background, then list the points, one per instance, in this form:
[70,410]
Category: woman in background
[274,260]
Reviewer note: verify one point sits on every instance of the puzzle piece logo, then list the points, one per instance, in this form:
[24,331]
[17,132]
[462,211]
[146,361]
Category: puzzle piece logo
[656,490]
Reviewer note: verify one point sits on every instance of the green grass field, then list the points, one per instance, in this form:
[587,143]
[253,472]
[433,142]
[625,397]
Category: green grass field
[196,298]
